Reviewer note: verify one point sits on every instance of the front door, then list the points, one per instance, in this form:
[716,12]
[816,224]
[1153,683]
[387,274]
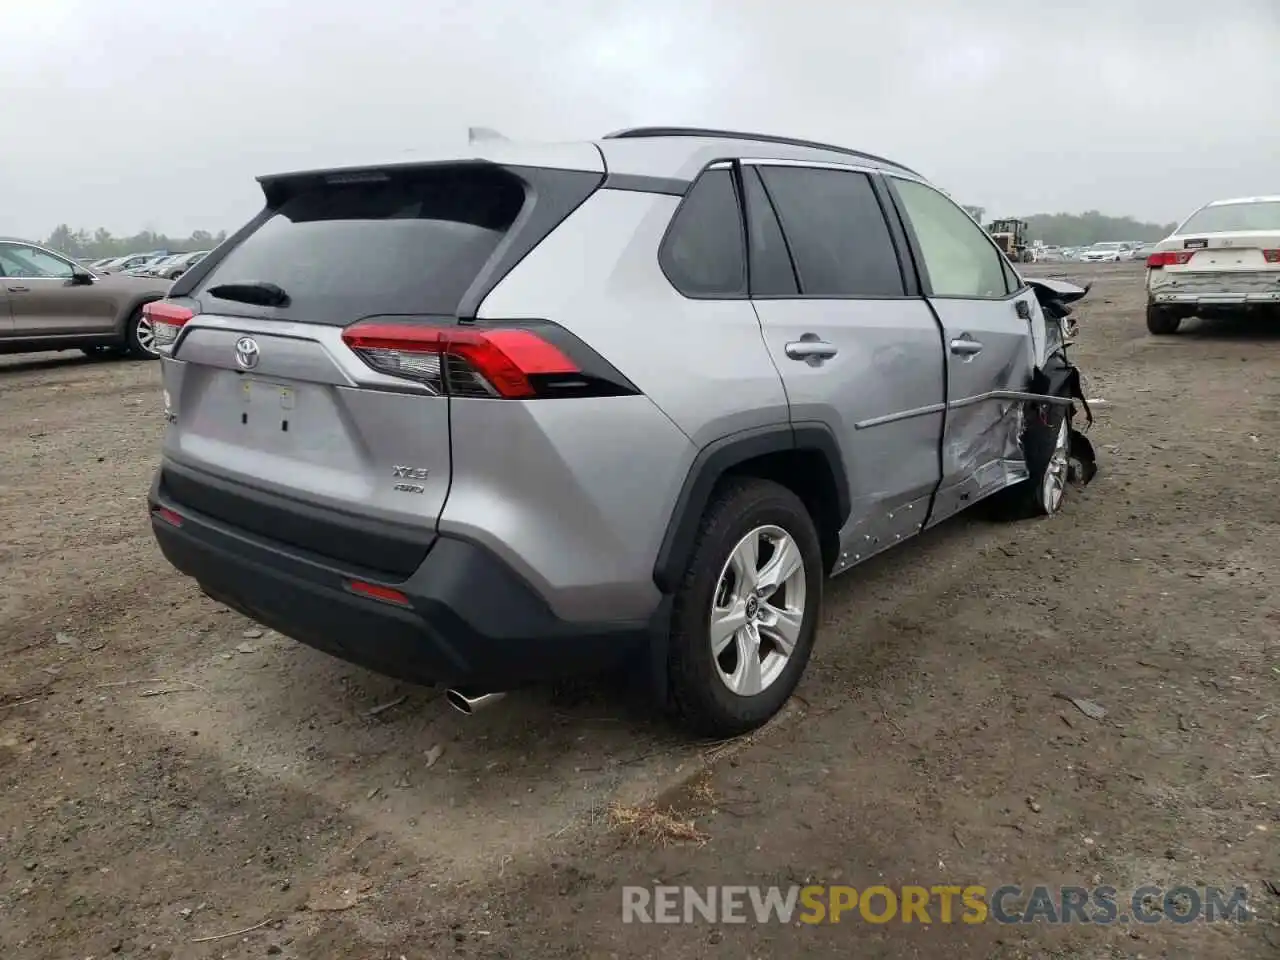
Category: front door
[6,318]
[44,297]
[857,347]
[989,317]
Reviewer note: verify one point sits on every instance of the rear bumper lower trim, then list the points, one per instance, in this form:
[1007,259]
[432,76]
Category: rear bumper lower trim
[471,620]
[1217,299]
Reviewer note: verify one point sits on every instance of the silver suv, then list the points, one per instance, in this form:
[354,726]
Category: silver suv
[556,409]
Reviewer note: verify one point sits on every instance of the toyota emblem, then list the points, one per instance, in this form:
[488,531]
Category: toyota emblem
[247,352]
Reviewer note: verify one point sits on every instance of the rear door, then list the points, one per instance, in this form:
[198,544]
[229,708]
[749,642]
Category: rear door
[857,347]
[990,320]
[45,300]
[266,392]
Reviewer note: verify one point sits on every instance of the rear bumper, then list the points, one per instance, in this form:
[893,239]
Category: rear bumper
[470,620]
[1221,299]
[1225,289]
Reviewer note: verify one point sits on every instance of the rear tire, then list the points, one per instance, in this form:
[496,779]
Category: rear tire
[140,337]
[1162,321]
[753,587]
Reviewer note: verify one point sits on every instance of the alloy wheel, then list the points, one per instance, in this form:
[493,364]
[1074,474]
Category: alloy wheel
[1054,485]
[757,610]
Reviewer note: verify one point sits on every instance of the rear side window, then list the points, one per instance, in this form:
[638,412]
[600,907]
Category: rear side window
[406,243]
[836,231]
[703,252]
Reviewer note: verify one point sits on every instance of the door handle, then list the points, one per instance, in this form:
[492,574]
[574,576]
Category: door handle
[19,289]
[965,346]
[811,350]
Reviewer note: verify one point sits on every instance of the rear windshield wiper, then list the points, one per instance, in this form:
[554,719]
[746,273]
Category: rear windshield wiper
[260,293]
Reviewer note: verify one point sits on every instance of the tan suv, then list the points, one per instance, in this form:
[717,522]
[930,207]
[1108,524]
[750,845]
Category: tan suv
[51,302]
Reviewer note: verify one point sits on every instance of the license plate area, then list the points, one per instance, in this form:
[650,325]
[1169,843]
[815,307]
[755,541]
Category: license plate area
[268,406]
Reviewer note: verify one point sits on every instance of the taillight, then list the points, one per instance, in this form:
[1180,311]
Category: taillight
[1272,256]
[166,322]
[504,362]
[1169,258]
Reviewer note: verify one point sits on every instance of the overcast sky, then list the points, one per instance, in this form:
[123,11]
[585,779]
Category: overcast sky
[135,114]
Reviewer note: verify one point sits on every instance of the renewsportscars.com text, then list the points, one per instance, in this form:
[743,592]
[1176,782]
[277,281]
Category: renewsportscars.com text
[942,903]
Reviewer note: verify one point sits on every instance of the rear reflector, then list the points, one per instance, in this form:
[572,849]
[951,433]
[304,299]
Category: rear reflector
[377,592]
[1169,258]
[168,516]
[1272,256]
[166,321]
[495,362]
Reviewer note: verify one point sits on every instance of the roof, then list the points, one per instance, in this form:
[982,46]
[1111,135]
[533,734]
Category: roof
[681,152]
[676,153]
[1223,203]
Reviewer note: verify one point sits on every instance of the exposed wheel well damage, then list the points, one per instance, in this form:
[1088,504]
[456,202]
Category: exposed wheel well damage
[1058,377]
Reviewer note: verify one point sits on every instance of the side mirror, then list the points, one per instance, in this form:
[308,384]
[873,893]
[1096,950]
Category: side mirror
[81,279]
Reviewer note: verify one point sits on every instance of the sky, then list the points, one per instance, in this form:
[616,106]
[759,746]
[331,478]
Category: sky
[144,114]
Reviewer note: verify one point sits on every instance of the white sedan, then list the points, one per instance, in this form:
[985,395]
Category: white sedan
[1103,253]
[1223,260]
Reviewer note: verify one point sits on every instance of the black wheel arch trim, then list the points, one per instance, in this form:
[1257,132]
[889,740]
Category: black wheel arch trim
[714,460]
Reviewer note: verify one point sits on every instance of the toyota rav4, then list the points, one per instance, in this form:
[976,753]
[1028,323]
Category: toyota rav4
[549,410]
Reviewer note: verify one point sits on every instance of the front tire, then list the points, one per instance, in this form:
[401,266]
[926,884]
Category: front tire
[1161,321]
[140,337]
[746,612]
[1046,444]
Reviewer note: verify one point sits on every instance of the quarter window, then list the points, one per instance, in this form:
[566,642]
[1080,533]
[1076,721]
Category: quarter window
[703,254]
[19,261]
[836,230]
[960,259]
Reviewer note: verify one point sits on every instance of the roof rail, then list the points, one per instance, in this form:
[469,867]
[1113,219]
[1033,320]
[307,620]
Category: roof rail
[635,133]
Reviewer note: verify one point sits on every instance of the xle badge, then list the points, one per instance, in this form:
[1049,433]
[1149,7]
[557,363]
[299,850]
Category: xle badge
[409,473]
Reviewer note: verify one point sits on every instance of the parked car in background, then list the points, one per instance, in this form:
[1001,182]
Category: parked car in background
[148,267]
[130,262]
[1051,254]
[346,381]
[1223,260]
[1103,252]
[180,264]
[51,302]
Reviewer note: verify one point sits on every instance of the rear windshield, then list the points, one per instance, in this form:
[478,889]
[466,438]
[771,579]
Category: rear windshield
[1232,217]
[411,243]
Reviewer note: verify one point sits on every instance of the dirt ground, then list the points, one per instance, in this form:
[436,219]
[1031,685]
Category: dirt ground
[169,773]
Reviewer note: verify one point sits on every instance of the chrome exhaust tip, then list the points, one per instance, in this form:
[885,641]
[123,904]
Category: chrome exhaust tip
[470,703]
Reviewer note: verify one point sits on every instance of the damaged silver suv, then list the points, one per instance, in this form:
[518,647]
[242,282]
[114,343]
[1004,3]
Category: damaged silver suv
[541,411]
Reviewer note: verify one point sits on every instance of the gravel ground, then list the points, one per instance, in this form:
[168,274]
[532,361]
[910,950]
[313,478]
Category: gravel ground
[170,773]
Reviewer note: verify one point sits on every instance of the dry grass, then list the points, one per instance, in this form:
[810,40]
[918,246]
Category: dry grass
[653,825]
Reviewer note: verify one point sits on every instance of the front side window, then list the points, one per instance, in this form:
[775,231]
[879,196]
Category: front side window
[959,257]
[20,261]
[836,231]
[703,254]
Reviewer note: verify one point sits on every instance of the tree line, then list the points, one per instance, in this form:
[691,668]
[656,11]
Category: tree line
[1083,229]
[82,244]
